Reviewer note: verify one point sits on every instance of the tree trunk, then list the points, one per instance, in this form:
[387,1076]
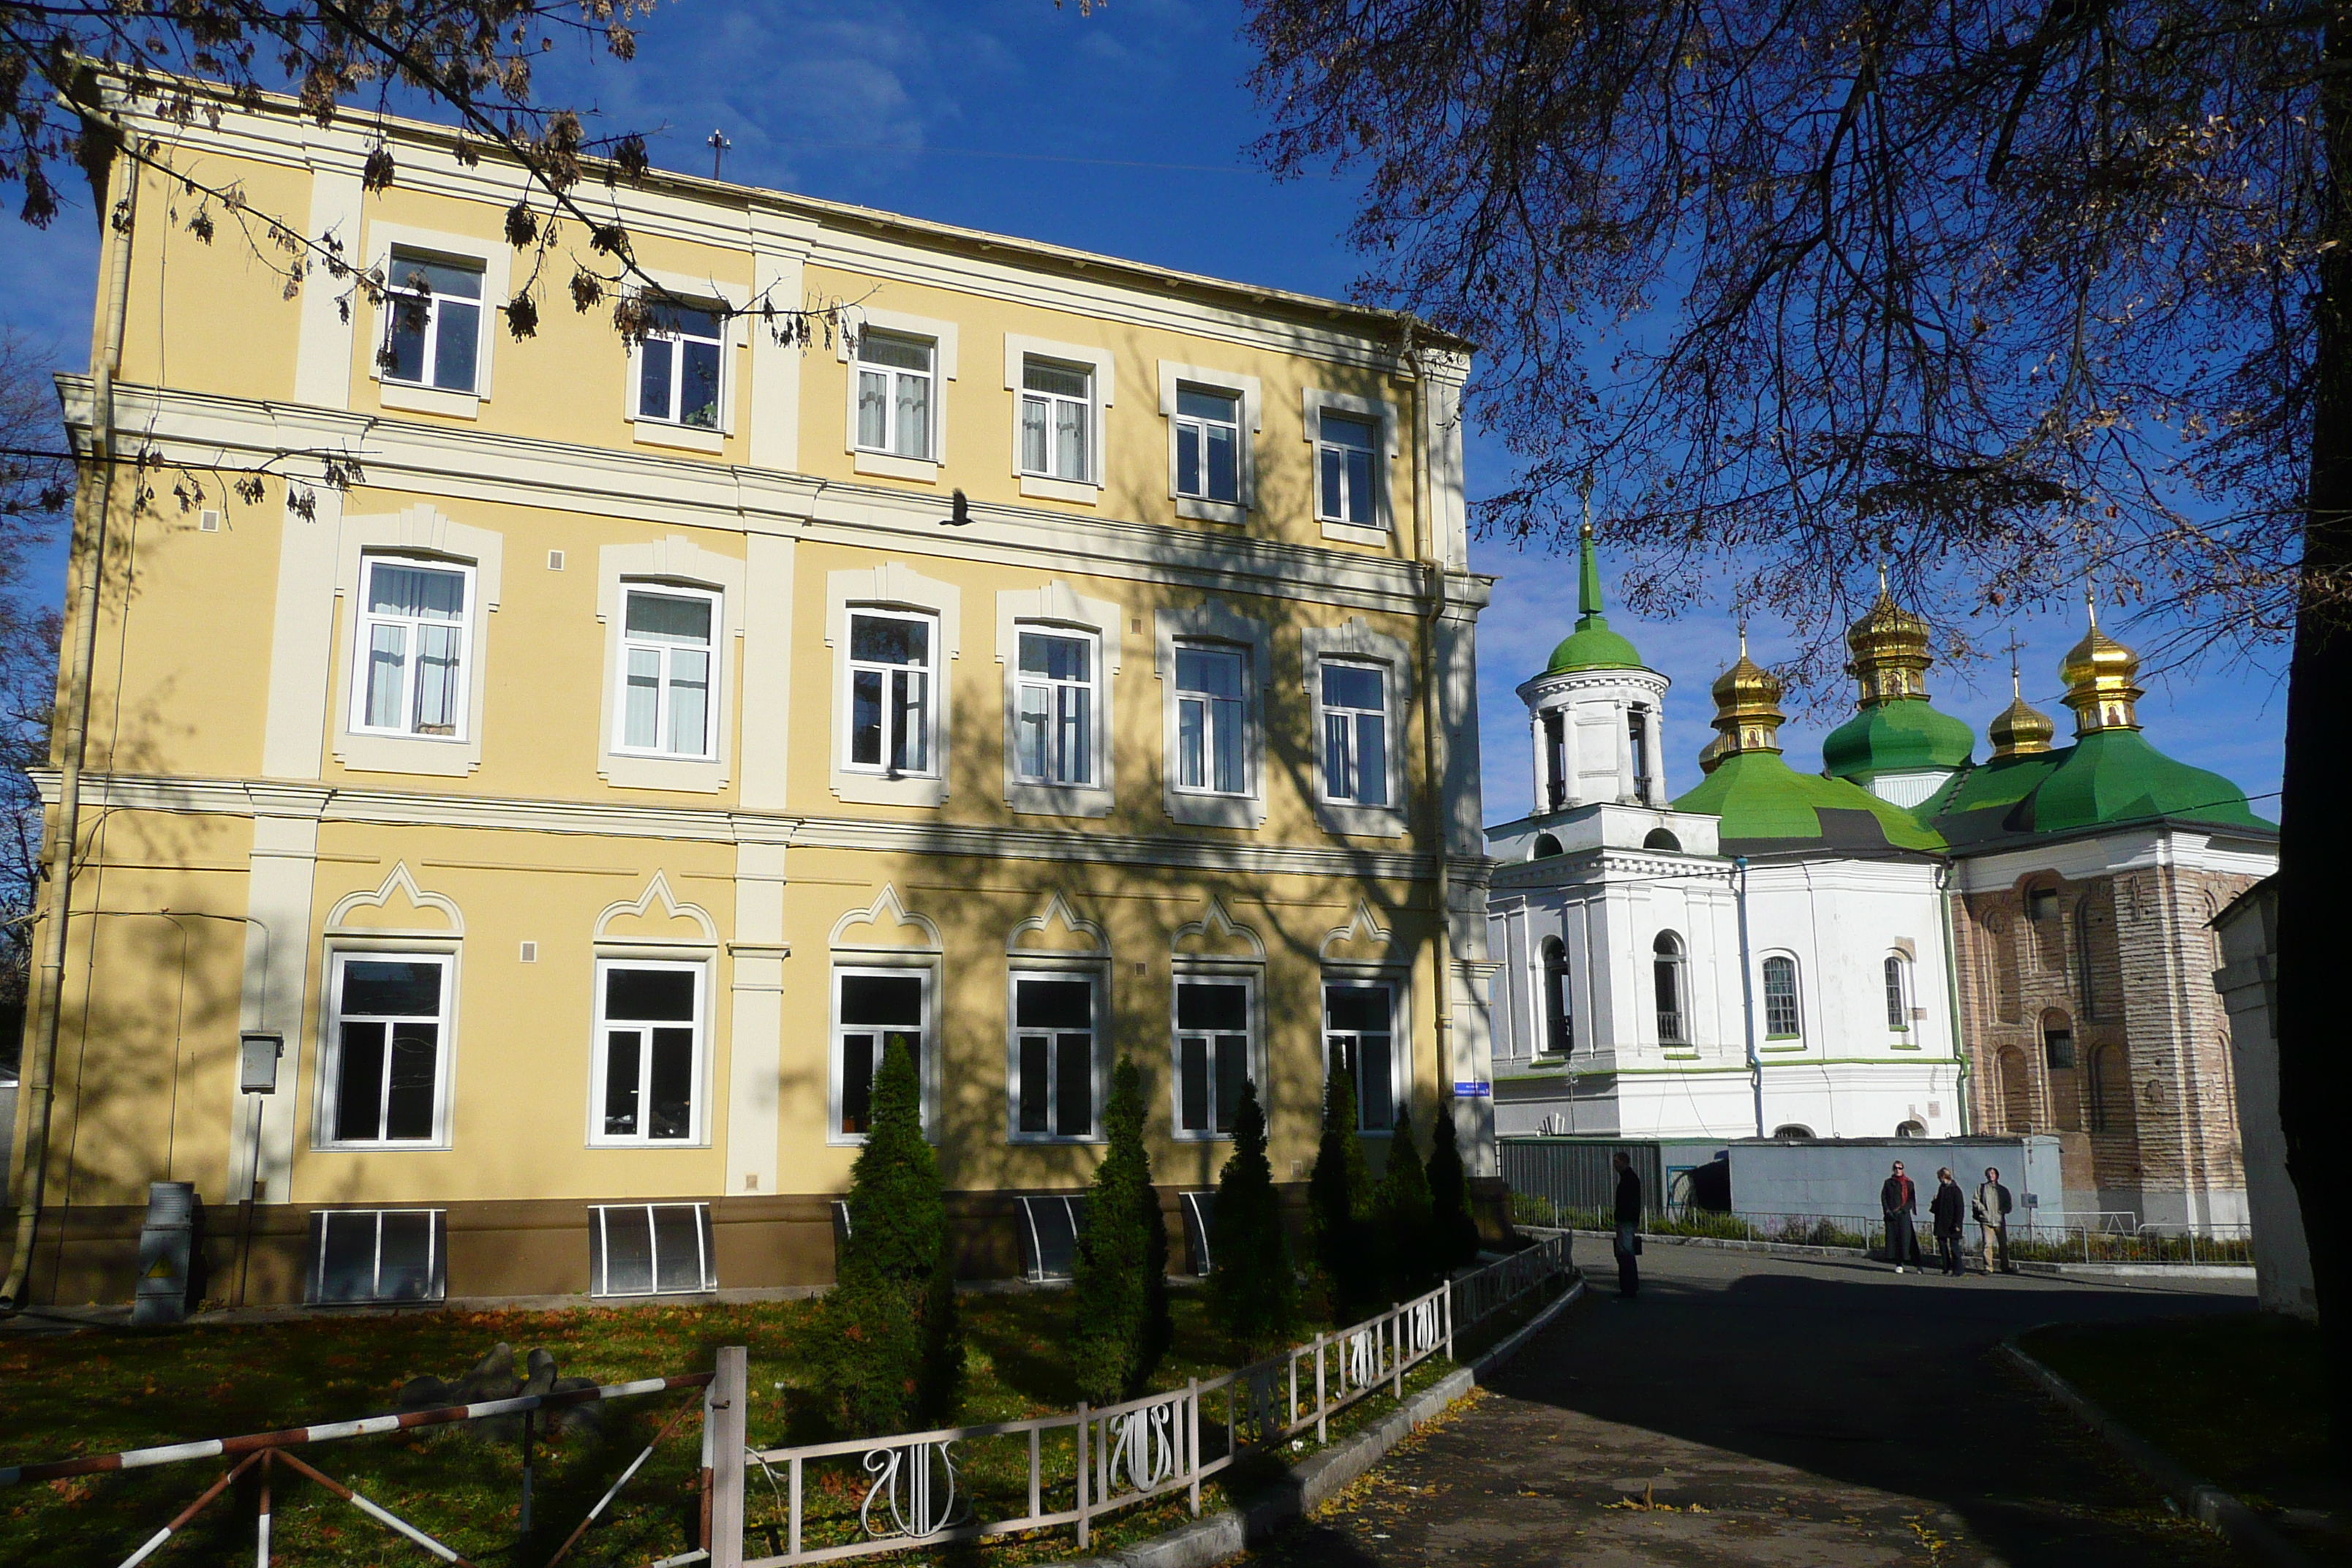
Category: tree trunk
[2316,810]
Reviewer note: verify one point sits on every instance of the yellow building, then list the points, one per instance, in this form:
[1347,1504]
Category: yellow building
[645,734]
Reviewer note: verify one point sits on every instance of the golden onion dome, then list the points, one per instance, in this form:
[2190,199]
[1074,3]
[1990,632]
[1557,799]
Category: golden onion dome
[1747,706]
[2098,672]
[1889,644]
[2020,729]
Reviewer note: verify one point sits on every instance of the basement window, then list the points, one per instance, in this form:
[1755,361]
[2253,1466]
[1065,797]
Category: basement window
[377,1255]
[650,1249]
[1049,1236]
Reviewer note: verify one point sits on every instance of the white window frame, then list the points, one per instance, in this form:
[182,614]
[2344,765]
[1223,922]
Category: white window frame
[924,968]
[698,1131]
[1357,643]
[942,337]
[846,697]
[728,301]
[1897,967]
[1783,1039]
[455,249]
[1221,719]
[894,378]
[1050,406]
[893,588]
[1252,979]
[709,750]
[1094,974]
[1325,712]
[1213,624]
[1382,532]
[679,568]
[1683,1012]
[1102,387]
[1091,686]
[1400,1038]
[1247,389]
[425,536]
[1056,610]
[331,1047]
[363,621]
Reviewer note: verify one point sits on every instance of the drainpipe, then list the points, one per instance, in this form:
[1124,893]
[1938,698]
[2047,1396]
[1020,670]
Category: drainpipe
[1748,991]
[91,511]
[1965,1073]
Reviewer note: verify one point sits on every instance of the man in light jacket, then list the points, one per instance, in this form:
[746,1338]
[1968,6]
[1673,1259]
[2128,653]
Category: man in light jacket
[1898,1204]
[1990,1206]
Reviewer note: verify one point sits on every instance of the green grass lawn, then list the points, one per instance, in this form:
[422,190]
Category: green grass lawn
[97,1391]
[2235,1398]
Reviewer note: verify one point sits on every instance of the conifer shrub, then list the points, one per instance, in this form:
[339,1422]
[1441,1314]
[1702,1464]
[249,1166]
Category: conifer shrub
[1253,1288]
[1119,1278]
[894,1347]
[1404,1212]
[1454,1230]
[1340,1206]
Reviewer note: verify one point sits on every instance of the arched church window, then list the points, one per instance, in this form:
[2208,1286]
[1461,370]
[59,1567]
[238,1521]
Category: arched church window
[1792,1129]
[1558,1024]
[1555,728]
[1898,993]
[1637,732]
[1666,972]
[1912,1129]
[1659,838]
[1780,998]
[1546,844]
[2015,1083]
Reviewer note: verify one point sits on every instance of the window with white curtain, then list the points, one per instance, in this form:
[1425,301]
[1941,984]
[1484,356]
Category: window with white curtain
[412,630]
[1354,698]
[1212,718]
[896,387]
[1056,420]
[891,674]
[668,641]
[1055,691]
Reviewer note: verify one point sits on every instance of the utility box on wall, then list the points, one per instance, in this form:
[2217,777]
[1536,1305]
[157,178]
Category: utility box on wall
[167,1244]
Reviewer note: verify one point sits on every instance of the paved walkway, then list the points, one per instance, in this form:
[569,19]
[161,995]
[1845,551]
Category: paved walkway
[1749,1409]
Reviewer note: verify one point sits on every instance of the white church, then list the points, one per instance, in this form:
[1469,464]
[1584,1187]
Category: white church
[1618,922]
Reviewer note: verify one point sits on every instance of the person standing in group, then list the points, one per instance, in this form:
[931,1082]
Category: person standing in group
[1898,1204]
[1628,1241]
[1949,1209]
[1991,1206]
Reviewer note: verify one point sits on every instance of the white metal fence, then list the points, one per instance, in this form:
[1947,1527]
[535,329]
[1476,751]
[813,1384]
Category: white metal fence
[866,1497]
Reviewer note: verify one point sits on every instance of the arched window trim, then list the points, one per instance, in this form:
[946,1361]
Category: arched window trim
[1670,983]
[1896,971]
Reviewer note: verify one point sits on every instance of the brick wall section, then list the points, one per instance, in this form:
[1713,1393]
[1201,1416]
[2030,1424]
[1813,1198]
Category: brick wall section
[2150,1085]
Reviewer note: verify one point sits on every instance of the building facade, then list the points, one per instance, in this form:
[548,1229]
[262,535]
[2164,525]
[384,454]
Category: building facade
[1050,659]
[1908,943]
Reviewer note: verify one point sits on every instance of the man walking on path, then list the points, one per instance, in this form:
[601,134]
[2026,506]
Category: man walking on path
[1898,1204]
[1991,1206]
[1949,1210]
[1628,1243]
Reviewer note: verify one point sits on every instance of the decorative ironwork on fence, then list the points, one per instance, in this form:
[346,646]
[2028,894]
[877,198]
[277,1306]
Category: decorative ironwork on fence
[911,1490]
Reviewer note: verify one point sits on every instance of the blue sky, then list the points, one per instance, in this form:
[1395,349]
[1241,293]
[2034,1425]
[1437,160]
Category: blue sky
[1127,131]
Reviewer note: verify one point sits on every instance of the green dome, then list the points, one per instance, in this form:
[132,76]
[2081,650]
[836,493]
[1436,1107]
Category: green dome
[2115,775]
[2107,778]
[1592,646]
[1904,736]
[1766,804]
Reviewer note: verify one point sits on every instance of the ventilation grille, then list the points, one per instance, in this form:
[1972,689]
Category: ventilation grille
[650,1249]
[531,952]
[209,522]
[555,561]
[377,1255]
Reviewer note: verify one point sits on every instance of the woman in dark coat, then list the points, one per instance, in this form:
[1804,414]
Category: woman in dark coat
[1950,1208]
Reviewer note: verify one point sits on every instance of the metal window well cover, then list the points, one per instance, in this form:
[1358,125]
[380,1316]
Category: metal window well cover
[1049,1234]
[1199,1223]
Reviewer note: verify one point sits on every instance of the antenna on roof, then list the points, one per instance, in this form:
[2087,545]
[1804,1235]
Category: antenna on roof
[718,145]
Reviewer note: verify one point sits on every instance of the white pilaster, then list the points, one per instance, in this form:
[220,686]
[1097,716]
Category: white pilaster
[767,702]
[301,652]
[781,250]
[282,872]
[755,1061]
[331,307]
